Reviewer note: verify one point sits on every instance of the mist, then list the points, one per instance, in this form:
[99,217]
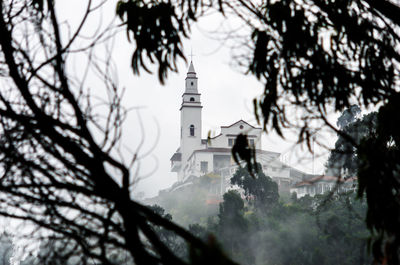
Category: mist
[199,132]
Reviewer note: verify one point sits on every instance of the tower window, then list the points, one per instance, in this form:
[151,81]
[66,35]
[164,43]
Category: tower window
[191,83]
[191,129]
[191,99]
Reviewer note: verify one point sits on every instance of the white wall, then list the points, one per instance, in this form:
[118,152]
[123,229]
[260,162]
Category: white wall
[195,162]
[189,115]
[234,130]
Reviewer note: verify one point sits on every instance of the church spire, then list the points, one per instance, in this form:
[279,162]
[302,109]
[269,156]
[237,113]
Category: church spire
[191,80]
[190,120]
[191,68]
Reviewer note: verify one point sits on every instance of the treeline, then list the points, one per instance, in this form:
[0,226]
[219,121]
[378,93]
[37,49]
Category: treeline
[254,226]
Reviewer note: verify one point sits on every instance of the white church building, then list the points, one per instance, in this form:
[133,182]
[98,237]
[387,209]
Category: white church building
[197,156]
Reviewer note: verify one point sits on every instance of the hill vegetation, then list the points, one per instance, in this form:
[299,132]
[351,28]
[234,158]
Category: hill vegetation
[325,229]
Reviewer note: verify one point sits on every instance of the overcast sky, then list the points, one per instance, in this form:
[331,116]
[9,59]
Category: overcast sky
[226,96]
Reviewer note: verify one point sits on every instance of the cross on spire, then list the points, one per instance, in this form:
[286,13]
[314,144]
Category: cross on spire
[191,72]
[191,54]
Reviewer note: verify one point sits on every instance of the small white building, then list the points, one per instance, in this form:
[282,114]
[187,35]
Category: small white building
[323,184]
[196,156]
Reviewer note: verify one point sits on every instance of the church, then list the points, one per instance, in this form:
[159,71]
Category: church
[197,156]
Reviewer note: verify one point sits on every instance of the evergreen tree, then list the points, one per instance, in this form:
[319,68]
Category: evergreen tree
[232,224]
[311,56]
[259,189]
[343,159]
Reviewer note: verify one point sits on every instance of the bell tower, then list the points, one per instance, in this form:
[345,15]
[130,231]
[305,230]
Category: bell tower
[190,119]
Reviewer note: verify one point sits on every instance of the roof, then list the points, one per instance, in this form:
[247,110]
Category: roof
[211,150]
[226,150]
[216,136]
[190,93]
[176,157]
[230,135]
[236,135]
[191,68]
[243,122]
[214,149]
[317,179]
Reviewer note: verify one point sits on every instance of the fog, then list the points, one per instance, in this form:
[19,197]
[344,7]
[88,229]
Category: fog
[324,229]
[151,132]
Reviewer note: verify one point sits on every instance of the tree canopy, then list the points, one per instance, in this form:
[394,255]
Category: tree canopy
[368,147]
[259,189]
[60,164]
[343,160]
[312,56]
[324,229]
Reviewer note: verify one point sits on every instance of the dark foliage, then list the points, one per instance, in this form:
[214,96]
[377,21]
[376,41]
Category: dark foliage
[242,151]
[311,55]
[314,56]
[378,173]
[232,225]
[372,154]
[321,230]
[343,160]
[348,116]
[60,168]
[259,189]
[231,211]
[326,229]
[159,41]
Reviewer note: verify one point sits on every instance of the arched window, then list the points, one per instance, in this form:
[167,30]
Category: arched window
[191,128]
[192,99]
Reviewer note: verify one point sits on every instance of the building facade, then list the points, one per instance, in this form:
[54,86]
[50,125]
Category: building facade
[323,184]
[197,156]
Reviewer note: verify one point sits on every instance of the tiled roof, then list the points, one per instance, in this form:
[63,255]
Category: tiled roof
[319,179]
